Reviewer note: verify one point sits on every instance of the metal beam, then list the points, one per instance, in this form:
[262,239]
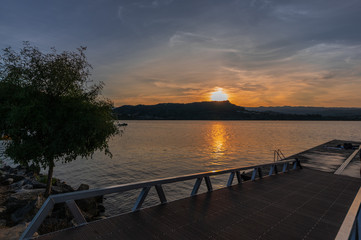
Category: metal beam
[271,170]
[208,183]
[230,179]
[76,212]
[196,186]
[254,173]
[161,194]
[239,177]
[143,194]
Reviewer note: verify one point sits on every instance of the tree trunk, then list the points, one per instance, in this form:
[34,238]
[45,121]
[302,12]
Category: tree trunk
[50,177]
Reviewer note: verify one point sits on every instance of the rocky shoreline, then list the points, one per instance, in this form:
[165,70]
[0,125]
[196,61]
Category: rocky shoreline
[22,195]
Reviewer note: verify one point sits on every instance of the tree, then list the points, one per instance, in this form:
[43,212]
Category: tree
[50,109]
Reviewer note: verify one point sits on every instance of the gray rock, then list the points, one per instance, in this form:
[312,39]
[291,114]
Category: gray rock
[57,190]
[13,233]
[20,214]
[15,177]
[27,186]
[8,181]
[2,209]
[83,187]
[2,222]
[17,185]
[22,206]
[37,184]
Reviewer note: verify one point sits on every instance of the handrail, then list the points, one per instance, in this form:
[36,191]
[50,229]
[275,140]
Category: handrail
[69,198]
[351,225]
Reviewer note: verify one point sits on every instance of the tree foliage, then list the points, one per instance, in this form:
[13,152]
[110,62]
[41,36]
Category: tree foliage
[50,108]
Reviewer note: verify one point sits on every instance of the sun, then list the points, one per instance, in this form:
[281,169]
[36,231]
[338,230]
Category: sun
[219,95]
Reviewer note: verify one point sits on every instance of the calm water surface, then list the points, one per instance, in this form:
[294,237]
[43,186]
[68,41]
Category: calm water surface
[157,149]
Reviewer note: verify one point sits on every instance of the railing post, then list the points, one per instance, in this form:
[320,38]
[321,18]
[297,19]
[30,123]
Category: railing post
[161,194]
[76,212]
[271,170]
[143,194]
[230,179]
[196,186]
[239,177]
[254,173]
[208,183]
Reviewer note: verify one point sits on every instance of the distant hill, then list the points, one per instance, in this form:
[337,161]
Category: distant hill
[220,111]
[323,111]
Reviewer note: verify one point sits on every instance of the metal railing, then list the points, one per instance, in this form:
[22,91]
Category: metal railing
[278,155]
[69,198]
[351,226]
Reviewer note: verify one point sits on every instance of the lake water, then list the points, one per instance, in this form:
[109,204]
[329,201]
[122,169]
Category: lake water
[157,149]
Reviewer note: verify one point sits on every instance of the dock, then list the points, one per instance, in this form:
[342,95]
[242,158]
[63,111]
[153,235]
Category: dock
[288,201]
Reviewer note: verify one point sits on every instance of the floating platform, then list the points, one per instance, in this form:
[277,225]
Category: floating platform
[307,203]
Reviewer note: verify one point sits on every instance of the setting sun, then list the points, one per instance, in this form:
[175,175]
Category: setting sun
[219,95]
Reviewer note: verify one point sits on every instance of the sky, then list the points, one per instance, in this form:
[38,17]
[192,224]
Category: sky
[260,52]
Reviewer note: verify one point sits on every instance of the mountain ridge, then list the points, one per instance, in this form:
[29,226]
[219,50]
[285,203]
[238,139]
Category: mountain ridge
[225,110]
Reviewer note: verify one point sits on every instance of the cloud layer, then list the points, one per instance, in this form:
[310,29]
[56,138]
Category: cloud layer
[261,52]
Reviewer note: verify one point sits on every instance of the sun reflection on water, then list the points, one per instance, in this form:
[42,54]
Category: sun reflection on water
[218,143]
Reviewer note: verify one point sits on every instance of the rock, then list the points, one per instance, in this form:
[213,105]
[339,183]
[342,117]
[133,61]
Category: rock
[21,213]
[27,186]
[57,190]
[23,205]
[2,209]
[13,233]
[17,185]
[26,194]
[2,222]
[61,187]
[8,181]
[36,184]
[16,178]
[83,187]
[66,186]
[89,205]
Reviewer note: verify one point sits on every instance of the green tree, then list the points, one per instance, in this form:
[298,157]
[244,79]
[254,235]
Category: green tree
[50,109]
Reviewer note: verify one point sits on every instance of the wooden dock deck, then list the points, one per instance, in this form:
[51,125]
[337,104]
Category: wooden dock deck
[299,204]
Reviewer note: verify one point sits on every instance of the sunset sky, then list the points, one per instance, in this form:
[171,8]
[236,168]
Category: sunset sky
[260,52]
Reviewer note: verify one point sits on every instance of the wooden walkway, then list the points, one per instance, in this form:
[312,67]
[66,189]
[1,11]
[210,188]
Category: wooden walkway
[300,204]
